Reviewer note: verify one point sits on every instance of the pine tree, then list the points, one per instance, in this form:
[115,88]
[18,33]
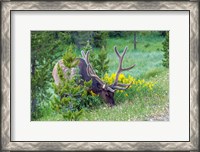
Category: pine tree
[92,56]
[102,62]
[99,39]
[69,58]
[166,51]
[88,47]
[67,98]
[71,93]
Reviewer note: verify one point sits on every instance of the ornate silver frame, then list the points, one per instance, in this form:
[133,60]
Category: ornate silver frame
[7,6]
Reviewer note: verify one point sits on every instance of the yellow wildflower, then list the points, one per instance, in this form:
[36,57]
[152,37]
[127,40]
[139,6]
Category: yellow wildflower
[92,93]
[137,84]
[121,77]
[113,76]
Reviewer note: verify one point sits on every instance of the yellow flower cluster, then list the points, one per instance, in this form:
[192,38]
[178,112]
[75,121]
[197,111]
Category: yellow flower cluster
[126,80]
[122,79]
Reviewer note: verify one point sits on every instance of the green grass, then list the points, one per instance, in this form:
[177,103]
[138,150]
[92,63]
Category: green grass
[139,108]
[144,43]
[147,56]
[145,61]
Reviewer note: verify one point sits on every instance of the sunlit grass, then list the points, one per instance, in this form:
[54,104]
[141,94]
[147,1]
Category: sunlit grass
[144,61]
[144,43]
[139,108]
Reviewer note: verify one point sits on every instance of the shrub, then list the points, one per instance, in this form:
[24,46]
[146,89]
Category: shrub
[99,39]
[39,86]
[48,44]
[101,62]
[166,51]
[72,97]
[92,56]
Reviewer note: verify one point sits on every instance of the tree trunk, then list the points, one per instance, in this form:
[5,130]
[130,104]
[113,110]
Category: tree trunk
[134,40]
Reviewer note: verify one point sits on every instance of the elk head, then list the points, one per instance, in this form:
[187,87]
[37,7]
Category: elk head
[101,88]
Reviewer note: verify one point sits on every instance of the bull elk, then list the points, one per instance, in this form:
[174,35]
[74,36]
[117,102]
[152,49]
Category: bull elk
[87,73]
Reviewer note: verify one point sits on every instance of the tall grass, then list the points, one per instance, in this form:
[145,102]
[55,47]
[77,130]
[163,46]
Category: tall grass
[144,61]
[139,108]
[147,43]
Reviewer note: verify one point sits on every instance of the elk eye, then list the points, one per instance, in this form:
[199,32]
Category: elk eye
[99,86]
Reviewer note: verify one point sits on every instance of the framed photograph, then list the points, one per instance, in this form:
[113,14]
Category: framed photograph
[110,75]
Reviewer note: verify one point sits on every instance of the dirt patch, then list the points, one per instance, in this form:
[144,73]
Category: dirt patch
[162,117]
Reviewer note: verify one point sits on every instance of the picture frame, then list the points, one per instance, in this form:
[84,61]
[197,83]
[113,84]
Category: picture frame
[7,7]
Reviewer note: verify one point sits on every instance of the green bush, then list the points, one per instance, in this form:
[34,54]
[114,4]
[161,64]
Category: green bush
[72,96]
[39,86]
[46,46]
[166,51]
[102,62]
[99,39]
[92,56]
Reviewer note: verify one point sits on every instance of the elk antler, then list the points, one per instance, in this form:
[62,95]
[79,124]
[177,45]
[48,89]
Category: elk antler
[92,73]
[89,68]
[117,85]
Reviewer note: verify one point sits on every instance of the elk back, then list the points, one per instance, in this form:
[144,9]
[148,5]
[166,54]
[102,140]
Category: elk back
[55,75]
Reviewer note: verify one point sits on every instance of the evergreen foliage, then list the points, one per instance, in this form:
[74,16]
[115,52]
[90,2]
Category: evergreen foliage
[99,39]
[87,47]
[69,58]
[39,87]
[92,56]
[102,62]
[166,51]
[118,34]
[71,94]
[46,46]
[80,38]
[96,38]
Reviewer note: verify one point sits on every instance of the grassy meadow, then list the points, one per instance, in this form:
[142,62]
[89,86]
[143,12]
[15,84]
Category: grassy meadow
[146,100]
